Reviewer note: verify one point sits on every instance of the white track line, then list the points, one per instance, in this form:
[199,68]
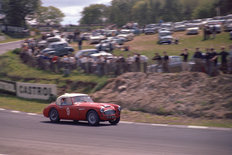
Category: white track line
[197,127]
[2,110]
[15,111]
[159,124]
[32,114]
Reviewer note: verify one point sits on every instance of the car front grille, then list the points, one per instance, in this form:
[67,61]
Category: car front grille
[110,112]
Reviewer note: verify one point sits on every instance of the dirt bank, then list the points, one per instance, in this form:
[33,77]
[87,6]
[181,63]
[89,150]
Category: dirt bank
[189,94]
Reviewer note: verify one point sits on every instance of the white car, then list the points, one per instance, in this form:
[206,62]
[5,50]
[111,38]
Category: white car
[192,31]
[127,34]
[180,28]
[95,39]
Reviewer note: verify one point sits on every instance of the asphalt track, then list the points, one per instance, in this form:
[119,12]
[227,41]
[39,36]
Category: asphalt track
[25,133]
[4,47]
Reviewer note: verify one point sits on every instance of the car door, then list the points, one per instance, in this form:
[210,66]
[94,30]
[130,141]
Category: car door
[65,108]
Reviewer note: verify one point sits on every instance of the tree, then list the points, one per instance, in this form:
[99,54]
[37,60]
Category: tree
[205,10]
[225,6]
[172,10]
[93,14]
[120,11]
[17,10]
[49,15]
[139,12]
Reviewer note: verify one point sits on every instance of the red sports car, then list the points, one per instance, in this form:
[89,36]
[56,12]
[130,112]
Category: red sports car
[77,107]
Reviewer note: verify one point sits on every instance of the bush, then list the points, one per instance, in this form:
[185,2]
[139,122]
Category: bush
[16,51]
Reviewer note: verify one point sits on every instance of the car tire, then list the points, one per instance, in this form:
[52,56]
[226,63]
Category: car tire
[54,116]
[76,121]
[114,122]
[93,118]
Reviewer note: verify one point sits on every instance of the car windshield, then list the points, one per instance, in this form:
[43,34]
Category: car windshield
[82,99]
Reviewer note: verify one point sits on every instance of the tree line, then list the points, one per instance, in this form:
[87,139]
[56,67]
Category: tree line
[120,12]
[19,11]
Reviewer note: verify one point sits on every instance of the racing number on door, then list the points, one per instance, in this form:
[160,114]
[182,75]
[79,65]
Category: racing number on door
[68,111]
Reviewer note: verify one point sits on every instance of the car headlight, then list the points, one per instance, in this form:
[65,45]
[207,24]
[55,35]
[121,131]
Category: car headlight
[102,110]
[119,108]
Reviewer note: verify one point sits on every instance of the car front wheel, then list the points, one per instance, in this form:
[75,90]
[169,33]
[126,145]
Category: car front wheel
[93,118]
[115,121]
[54,116]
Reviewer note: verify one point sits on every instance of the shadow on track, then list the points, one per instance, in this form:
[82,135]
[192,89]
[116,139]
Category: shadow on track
[85,124]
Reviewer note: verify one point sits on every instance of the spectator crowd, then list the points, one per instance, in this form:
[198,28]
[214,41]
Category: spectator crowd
[207,61]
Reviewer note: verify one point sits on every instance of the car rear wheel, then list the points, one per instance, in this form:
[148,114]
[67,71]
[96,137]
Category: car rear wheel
[54,116]
[76,121]
[115,121]
[93,118]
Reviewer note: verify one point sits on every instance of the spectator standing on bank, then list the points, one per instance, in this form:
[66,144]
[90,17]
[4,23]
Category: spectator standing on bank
[207,32]
[158,60]
[54,62]
[165,62]
[185,65]
[138,63]
[204,32]
[230,59]
[224,55]
[198,60]
[80,41]
[144,60]
[214,60]
[208,60]
[130,61]
[76,35]
[214,31]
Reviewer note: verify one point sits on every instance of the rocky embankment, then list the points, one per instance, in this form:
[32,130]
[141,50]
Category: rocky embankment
[189,94]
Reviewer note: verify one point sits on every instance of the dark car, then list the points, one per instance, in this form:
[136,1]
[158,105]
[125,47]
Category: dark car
[58,49]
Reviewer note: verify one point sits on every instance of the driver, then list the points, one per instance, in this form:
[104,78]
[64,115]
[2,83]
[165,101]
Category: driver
[63,101]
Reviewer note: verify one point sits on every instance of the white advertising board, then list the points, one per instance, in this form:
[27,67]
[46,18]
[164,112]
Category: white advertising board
[35,91]
[7,86]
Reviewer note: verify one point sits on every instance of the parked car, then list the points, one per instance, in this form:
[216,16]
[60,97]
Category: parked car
[117,40]
[180,28]
[96,38]
[165,37]
[192,31]
[175,63]
[85,36]
[126,33]
[86,52]
[150,29]
[49,40]
[58,49]
[101,53]
[217,27]
[105,45]
[228,25]
[77,107]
